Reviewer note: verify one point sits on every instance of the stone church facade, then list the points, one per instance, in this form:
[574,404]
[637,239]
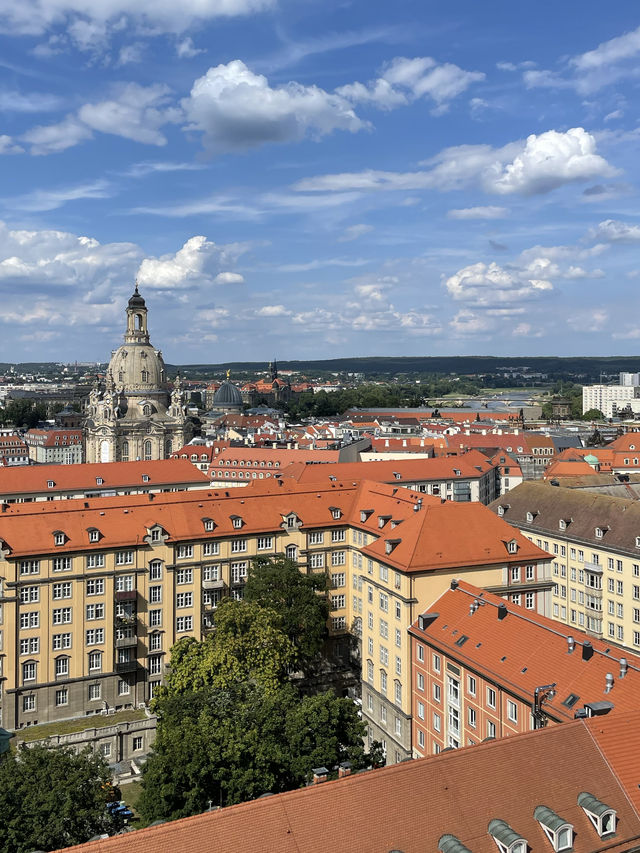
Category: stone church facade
[133,415]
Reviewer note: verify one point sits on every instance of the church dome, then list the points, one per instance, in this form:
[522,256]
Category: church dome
[136,301]
[227,396]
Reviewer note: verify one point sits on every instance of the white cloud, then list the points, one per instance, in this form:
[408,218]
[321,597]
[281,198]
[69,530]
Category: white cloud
[469,323]
[185,48]
[404,80]
[273,311]
[130,54]
[28,102]
[536,165]
[237,110]
[8,146]
[136,112]
[49,139]
[353,232]
[35,17]
[197,262]
[320,263]
[489,212]
[616,49]
[483,285]
[229,278]
[614,231]
[42,200]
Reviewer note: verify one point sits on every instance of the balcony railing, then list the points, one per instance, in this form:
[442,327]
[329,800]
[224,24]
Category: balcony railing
[126,642]
[213,584]
[126,595]
[593,567]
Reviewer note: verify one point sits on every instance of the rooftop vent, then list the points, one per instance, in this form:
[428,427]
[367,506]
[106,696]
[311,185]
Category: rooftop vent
[502,611]
[454,584]
[609,681]
[624,666]
[587,650]
[571,644]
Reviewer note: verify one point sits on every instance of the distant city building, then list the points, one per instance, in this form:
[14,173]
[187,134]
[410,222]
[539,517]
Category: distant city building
[55,446]
[611,399]
[133,415]
[13,451]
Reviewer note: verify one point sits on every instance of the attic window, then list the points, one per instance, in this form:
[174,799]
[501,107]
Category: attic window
[397,475]
[562,524]
[145,478]
[94,534]
[529,517]
[382,520]
[365,513]
[599,533]
[390,544]
[50,484]
[208,524]
[501,511]
[456,471]
[59,538]
[506,838]
[99,481]
[557,830]
[291,520]
[637,541]
[236,521]
[632,447]
[512,547]
[155,534]
[601,816]
[335,512]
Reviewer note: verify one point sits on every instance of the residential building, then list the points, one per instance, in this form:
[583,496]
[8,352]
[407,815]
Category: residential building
[55,446]
[594,542]
[13,451]
[133,415]
[609,399]
[483,667]
[564,788]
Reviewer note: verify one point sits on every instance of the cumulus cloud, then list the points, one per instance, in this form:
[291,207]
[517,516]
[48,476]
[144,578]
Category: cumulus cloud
[135,112]
[469,323]
[198,261]
[237,109]
[614,231]
[185,48]
[404,80]
[483,285]
[536,165]
[489,212]
[353,232]
[273,311]
[50,139]
[35,17]
[229,278]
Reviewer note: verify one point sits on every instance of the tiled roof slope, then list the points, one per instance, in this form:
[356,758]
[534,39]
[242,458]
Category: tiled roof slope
[427,533]
[524,650]
[582,511]
[471,465]
[616,736]
[409,806]
[34,478]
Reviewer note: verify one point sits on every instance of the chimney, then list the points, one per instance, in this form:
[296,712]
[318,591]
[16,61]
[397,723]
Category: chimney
[610,682]
[502,611]
[587,650]
[319,775]
[623,667]
[454,584]
[571,644]
[344,769]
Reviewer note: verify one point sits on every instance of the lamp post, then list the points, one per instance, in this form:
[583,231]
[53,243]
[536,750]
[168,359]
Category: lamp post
[542,694]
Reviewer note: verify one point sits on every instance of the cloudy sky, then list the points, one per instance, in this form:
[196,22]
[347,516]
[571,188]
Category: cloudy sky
[315,178]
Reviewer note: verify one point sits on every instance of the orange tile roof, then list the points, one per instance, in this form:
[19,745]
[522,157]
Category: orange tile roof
[54,437]
[114,475]
[524,650]
[568,468]
[409,806]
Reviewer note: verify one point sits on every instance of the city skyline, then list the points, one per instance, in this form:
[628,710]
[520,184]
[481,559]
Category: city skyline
[306,178]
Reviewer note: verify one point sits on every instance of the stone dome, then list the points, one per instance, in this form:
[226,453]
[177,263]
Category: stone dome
[137,366]
[227,397]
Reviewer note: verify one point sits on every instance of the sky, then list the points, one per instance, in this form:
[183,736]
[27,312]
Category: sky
[319,178]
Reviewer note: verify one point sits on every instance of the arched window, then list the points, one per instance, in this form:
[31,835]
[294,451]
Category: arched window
[125,451]
[138,322]
[291,552]
[145,375]
[147,450]
[168,447]
[146,410]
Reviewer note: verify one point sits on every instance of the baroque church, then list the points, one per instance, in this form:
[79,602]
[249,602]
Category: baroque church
[133,415]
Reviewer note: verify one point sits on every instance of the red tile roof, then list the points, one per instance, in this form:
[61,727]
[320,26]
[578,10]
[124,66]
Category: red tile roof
[409,806]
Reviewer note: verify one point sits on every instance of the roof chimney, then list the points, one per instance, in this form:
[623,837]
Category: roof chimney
[344,769]
[609,679]
[623,667]
[587,650]
[502,611]
[571,644]
[319,775]
[454,584]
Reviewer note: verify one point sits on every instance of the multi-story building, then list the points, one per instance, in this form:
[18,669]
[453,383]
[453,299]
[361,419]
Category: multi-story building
[610,399]
[482,667]
[594,542]
[55,446]
[13,451]
[95,592]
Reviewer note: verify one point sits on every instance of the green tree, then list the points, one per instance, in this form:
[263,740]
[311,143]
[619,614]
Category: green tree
[593,415]
[23,413]
[248,644]
[227,746]
[52,798]
[299,600]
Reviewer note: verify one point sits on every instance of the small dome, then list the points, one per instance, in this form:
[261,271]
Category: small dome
[136,300]
[226,396]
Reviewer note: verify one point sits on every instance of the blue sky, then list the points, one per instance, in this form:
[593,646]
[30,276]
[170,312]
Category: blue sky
[316,178]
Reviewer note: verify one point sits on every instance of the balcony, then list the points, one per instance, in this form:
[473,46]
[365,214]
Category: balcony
[127,642]
[125,595]
[125,620]
[213,584]
[122,667]
[592,567]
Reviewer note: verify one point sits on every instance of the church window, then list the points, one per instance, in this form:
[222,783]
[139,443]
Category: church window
[146,411]
[145,375]
[121,376]
[147,450]
[125,451]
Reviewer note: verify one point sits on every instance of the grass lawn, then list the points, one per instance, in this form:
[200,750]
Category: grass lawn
[66,727]
[131,794]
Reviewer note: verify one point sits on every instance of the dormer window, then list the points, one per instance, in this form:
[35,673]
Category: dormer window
[507,839]
[601,816]
[145,478]
[364,514]
[50,484]
[599,533]
[155,534]
[236,521]
[512,547]
[637,541]
[336,512]
[390,544]
[209,524]
[99,481]
[501,510]
[562,524]
[632,447]
[59,537]
[382,520]
[94,534]
[291,521]
[557,830]
[529,517]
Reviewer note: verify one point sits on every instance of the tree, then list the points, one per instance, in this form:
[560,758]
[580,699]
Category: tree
[52,798]
[278,584]
[226,746]
[593,415]
[248,644]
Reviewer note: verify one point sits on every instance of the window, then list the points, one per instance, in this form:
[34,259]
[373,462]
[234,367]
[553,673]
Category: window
[136,743]
[155,642]
[62,564]
[265,543]
[437,693]
[436,663]
[436,722]
[491,729]
[316,560]
[61,641]
[94,636]
[383,714]
[210,549]
[384,573]
[397,692]
[471,685]
[30,567]
[184,599]
[338,535]
[316,537]
[28,703]
[338,623]
[155,618]
[420,681]
[384,656]
[515,574]
[155,665]
[62,697]
[62,616]
[95,561]
[384,602]
[155,594]
[95,587]
[512,711]
[29,671]
[95,661]
[339,558]
[472,717]
[384,629]
[184,623]
[124,558]
[61,590]
[420,652]
[238,572]
[30,620]
[421,738]
[421,710]
[62,667]
[94,692]
[338,579]
[370,671]
[184,551]
[184,576]
[30,646]
[29,594]
[94,611]
[335,512]
[491,697]
[530,600]
[59,539]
